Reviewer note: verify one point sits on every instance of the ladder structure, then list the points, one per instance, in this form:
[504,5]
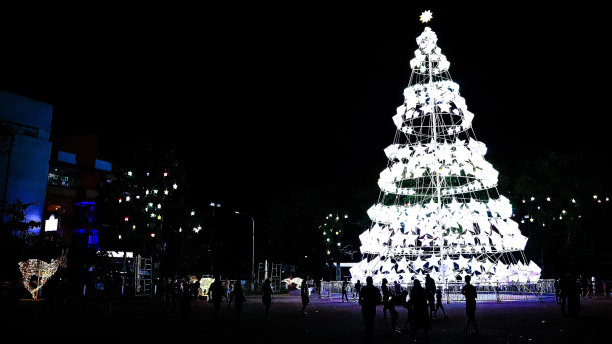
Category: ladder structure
[270,271]
[262,272]
[275,276]
[143,276]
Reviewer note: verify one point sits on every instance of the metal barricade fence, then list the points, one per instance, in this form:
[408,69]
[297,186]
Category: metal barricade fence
[451,291]
[333,290]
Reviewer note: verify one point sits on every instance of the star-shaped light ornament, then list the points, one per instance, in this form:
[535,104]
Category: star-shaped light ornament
[426,16]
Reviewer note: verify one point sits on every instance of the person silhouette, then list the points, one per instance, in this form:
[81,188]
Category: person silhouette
[410,312]
[357,290]
[497,296]
[266,296]
[369,298]
[344,291]
[398,299]
[386,294]
[563,292]
[216,296]
[175,293]
[305,297]
[226,290]
[469,291]
[583,286]
[557,286]
[420,316]
[398,288]
[195,285]
[430,291]
[50,296]
[238,297]
[185,301]
[573,297]
[439,304]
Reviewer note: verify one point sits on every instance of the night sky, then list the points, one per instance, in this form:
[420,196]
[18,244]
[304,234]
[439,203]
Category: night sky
[261,99]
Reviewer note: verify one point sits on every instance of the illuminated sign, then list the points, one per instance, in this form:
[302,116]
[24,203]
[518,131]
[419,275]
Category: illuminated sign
[51,224]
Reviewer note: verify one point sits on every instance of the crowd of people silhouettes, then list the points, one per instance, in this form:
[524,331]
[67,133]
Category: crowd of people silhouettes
[422,302]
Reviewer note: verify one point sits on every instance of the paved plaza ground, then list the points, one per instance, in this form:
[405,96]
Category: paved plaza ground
[328,321]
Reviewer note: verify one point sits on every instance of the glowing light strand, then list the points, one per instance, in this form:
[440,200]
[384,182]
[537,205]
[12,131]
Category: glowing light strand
[40,269]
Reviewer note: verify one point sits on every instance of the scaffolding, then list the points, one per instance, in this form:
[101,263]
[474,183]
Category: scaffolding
[272,271]
[143,276]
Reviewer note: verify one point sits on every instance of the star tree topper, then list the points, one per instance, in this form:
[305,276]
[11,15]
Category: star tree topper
[426,16]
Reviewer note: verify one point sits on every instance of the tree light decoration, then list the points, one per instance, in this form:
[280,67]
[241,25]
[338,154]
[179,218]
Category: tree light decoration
[333,230]
[148,199]
[439,210]
[426,16]
[205,283]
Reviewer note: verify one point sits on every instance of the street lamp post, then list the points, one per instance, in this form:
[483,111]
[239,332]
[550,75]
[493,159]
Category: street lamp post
[253,258]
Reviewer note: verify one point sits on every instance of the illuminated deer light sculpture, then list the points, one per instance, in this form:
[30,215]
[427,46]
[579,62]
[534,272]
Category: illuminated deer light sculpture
[42,270]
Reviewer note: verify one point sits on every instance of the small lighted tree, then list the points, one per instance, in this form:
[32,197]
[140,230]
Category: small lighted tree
[148,210]
[333,232]
[439,211]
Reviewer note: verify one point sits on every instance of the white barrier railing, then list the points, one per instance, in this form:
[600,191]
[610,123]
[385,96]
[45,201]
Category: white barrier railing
[451,292]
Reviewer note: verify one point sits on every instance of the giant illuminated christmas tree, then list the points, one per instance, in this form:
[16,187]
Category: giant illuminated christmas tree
[439,211]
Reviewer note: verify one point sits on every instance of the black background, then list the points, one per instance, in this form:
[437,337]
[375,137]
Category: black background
[263,98]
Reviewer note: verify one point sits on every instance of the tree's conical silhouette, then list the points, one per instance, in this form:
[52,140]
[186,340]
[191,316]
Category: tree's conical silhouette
[439,211]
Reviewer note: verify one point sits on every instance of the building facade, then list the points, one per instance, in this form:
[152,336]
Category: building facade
[74,181]
[25,150]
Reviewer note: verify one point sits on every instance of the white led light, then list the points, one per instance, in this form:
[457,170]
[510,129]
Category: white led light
[51,224]
[437,188]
